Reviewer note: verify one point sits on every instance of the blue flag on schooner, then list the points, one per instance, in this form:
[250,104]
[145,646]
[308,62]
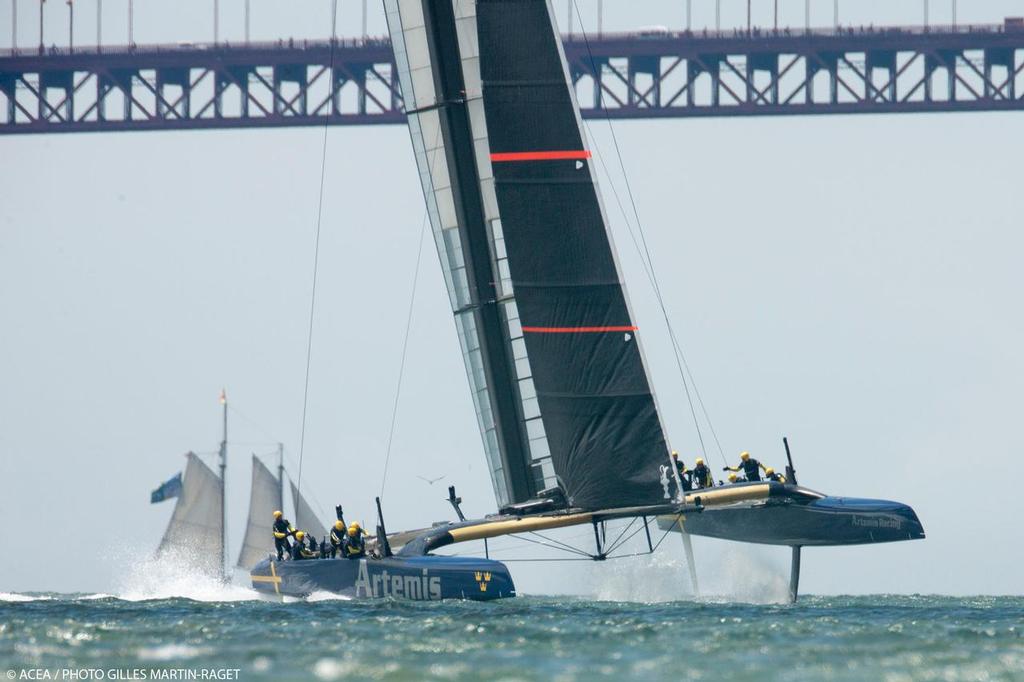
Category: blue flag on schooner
[167,490]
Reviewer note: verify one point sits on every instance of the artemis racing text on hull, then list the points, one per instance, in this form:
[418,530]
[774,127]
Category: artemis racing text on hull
[426,578]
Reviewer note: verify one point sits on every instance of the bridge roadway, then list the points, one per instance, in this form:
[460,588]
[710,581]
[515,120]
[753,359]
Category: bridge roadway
[652,74]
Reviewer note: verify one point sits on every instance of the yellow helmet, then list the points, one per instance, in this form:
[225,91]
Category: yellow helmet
[278,514]
[299,535]
[338,525]
[769,471]
[700,461]
[354,529]
[744,455]
[675,455]
[732,477]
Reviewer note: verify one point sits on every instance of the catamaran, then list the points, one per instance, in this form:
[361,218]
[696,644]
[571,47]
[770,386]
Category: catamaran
[570,426]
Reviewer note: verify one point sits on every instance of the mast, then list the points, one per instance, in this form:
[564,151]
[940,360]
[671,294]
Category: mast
[280,477]
[477,302]
[223,499]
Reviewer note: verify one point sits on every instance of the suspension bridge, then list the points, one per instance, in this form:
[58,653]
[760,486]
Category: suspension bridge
[650,73]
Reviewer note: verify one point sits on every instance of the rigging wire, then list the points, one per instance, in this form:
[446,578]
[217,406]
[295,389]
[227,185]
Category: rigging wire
[405,349]
[653,281]
[309,497]
[645,525]
[611,547]
[312,295]
[554,542]
[645,257]
[253,423]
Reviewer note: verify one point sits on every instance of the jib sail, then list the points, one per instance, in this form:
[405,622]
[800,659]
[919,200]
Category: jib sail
[264,498]
[305,518]
[550,345]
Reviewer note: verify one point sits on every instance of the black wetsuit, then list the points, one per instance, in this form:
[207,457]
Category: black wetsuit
[751,469]
[300,552]
[685,477]
[281,544]
[703,476]
[355,547]
[337,541]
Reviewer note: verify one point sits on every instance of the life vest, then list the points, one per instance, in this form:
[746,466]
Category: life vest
[355,546]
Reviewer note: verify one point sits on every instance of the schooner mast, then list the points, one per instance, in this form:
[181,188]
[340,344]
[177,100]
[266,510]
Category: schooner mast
[223,506]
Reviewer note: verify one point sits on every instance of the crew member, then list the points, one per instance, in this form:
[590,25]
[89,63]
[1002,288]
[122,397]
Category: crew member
[750,466]
[299,550]
[770,474]
[338,534]
[282,529]
[313,547]
[732,477]
[702,474]
[685,475]
[355,547]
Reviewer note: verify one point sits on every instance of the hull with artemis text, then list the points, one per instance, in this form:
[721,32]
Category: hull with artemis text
[420,578]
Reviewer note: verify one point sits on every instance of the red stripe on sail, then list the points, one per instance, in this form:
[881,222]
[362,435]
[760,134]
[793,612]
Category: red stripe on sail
[578,330]
[541,156]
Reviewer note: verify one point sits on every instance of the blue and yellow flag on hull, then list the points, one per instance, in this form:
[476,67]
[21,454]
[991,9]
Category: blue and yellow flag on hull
[167,490]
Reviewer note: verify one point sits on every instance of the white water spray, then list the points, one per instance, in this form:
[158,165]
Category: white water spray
[729,572]
[171,577]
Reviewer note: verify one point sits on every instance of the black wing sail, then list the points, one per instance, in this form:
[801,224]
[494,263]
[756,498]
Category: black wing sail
[582,393]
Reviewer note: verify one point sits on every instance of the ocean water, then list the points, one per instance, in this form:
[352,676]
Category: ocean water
[233,635]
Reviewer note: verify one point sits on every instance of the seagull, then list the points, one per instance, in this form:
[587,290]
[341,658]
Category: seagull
[430,481]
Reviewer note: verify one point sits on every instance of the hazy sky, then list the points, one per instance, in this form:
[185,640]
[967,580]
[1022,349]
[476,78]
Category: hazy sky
[853,282]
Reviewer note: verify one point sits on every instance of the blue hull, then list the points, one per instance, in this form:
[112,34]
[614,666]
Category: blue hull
[790,518]
[421,578]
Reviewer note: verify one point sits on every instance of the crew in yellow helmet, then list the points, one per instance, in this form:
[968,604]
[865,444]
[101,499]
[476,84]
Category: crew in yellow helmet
[282,529]
[770,474]
[702,474]
[299,550]
[732,477]
[355,546]
[750,466]
[338,533]
[685,475]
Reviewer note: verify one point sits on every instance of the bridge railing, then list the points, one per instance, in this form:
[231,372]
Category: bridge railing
[652,33]
[648,74]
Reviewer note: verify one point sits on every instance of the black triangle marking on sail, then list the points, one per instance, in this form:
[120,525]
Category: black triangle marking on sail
[602,425]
